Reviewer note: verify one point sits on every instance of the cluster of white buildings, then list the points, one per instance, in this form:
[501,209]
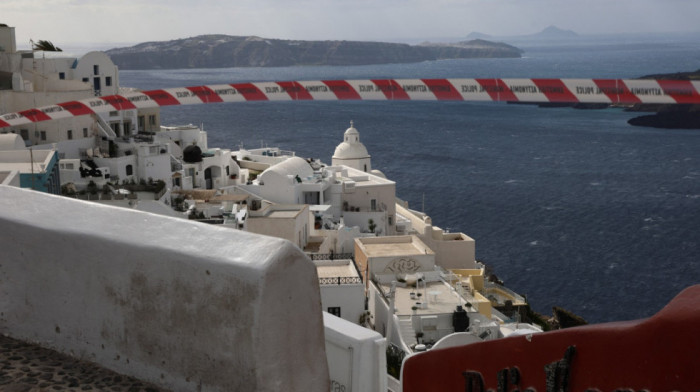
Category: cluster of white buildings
[379,263]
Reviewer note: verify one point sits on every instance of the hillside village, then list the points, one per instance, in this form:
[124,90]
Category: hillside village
[379,264]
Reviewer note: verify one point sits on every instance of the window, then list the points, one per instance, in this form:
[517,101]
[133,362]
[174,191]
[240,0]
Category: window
[43,135]
[62,75]
[24,133]
[129,170]
[334,310]
[373,204]
[85,132]
[391,220]
[69,166]
[152,119]
[108,80]
[86,80]
[96,69]
[70,134]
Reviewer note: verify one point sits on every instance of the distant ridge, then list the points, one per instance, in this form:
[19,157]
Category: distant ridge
[220,51]
[555,32]
[478,35]
[548,33]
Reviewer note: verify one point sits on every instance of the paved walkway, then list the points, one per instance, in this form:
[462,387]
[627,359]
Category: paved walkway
[28,368]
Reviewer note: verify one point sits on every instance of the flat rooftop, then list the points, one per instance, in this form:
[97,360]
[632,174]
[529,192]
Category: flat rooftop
[282,214]
[337,269]
[394,246]
[441,298]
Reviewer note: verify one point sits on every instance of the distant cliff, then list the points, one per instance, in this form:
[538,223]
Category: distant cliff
[221,51]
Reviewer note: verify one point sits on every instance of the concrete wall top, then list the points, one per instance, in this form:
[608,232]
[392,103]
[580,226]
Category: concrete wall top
[185,305]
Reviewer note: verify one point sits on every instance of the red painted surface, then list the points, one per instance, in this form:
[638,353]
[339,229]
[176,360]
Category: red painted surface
[661,353]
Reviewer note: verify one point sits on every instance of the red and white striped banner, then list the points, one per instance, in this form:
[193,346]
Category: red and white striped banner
[610,91]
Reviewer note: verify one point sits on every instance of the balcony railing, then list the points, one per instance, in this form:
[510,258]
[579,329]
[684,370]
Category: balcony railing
[340,280]
[330,256]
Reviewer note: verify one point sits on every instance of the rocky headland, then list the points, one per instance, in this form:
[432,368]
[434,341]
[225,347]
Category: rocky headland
[683,116]
[223,51]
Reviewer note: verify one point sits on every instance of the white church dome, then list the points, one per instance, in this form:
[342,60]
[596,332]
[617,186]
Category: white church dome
[351,147]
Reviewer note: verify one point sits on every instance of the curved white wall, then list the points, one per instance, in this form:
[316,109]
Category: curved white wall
[181,304]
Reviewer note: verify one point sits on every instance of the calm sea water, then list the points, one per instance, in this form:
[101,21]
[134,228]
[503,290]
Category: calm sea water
[572,208]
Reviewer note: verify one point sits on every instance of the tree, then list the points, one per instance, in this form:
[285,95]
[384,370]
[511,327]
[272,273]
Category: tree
[46,46]
[372,225]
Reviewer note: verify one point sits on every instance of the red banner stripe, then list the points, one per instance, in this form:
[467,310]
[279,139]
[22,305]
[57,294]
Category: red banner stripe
[162,97]
[35,115]
[119,102]
[342,89]
[497,90]
[680,90]
[616,90]
[391,89]
[76,108]
[555,90]
[250,92]
[443,89]
[3,124]
[206,94]
[296,91]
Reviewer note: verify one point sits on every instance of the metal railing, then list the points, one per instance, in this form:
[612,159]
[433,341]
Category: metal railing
[330,256]
[339,280]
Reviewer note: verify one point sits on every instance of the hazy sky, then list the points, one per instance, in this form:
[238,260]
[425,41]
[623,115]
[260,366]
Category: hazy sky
[66,22]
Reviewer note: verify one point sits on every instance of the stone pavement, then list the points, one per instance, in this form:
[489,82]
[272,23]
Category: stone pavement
[28,368]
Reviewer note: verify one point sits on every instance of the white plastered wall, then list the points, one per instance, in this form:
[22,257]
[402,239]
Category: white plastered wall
[181,304]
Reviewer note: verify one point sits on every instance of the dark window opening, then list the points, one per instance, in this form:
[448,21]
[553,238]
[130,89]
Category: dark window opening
[334,310]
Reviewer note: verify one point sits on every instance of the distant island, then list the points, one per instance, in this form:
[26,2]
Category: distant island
[550,33]
[222,51]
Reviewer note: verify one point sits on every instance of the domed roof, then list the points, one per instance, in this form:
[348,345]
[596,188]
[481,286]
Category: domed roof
[351,147]
[351,131]
[11,141]
[294,166]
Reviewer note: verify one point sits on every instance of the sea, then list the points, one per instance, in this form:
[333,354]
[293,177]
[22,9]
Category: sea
[571,208]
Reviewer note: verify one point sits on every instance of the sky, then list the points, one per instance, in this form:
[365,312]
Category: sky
[70,22]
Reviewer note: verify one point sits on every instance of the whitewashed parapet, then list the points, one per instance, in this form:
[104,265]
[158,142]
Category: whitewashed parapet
[181,304]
